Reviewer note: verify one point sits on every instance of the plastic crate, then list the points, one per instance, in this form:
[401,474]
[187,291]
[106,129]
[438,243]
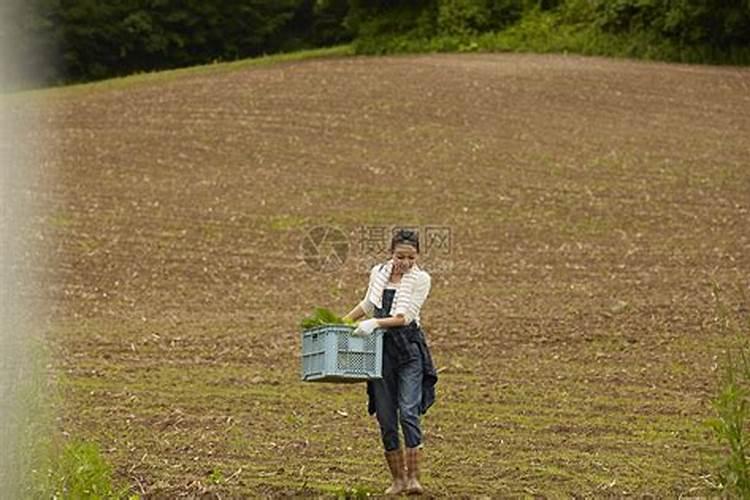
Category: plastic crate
[331,354]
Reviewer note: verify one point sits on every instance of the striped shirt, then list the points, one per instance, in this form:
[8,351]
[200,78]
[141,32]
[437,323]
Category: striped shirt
[411,292]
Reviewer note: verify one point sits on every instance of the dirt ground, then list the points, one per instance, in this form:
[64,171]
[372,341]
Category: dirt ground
[594,211]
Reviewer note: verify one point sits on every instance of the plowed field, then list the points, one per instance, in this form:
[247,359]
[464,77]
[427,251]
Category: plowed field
[593,242]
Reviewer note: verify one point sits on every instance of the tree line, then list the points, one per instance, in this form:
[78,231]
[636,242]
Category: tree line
[61,41]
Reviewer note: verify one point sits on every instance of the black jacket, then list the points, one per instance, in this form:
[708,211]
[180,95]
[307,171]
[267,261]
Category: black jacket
[402,344]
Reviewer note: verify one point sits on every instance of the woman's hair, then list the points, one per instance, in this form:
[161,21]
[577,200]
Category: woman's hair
[405,237]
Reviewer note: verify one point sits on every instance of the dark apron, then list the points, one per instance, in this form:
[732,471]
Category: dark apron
[400,345]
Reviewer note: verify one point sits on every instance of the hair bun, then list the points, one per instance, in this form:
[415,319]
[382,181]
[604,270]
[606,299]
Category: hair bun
[407,236]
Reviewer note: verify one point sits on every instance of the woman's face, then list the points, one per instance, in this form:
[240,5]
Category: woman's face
[404,256]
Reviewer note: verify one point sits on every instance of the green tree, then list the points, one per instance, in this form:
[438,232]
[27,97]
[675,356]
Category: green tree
[90,39]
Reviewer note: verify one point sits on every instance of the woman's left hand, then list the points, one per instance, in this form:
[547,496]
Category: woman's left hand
[366,327]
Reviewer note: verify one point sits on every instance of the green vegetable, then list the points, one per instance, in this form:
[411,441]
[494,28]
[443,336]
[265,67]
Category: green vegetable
[323,316]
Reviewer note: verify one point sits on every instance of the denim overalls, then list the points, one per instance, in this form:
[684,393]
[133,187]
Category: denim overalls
[407,387]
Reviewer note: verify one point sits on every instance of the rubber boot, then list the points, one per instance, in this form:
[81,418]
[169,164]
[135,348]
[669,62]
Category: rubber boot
[395,459]
[413,459]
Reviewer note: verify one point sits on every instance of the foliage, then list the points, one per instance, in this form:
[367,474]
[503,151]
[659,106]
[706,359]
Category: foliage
[720,24]
[83,473]
[328,26]
[695,31]
[324,316]
[732,424]
[89,39]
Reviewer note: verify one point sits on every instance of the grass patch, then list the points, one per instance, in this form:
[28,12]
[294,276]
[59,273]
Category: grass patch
[40,462]
[731,425]
[165,76]
[350,492]
[286,222]
[82,472]
[60,220]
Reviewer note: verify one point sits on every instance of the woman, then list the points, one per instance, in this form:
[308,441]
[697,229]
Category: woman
[395,295]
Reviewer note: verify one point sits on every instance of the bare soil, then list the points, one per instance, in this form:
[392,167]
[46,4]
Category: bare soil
[595,207]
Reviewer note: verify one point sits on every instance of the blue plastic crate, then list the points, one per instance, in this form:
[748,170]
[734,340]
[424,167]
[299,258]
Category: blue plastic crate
[331,354]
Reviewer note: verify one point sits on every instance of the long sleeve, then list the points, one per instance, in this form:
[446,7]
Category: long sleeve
[368,307]
[418,297]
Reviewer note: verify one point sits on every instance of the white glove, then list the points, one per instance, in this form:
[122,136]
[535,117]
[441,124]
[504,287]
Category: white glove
[365,328]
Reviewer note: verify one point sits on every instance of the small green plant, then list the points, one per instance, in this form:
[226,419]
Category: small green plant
[323,316]
[730,427]
[732,423]
[216,476]
[83,473]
